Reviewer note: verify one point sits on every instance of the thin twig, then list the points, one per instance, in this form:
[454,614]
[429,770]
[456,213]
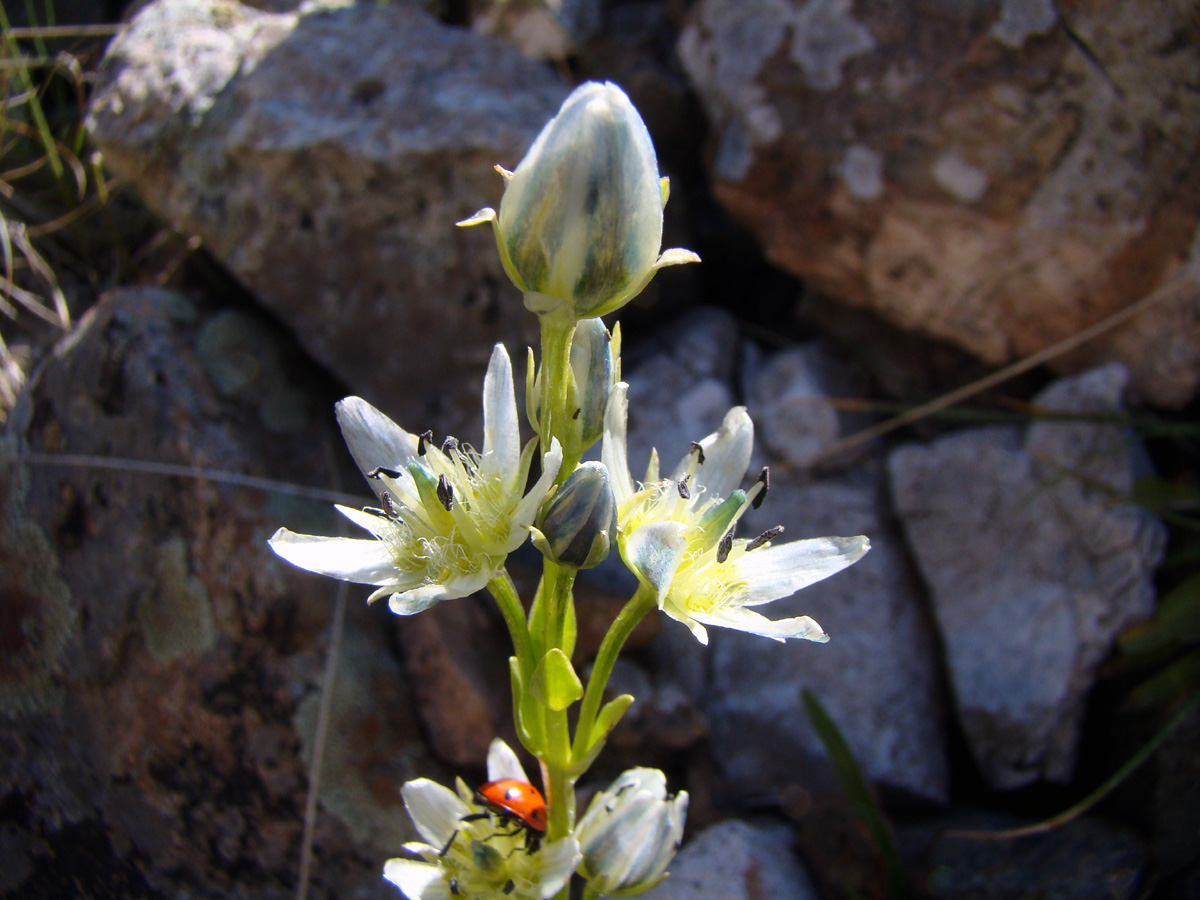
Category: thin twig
[328,682]
[65,31]
[149,467]
[318,753]
[1166,292]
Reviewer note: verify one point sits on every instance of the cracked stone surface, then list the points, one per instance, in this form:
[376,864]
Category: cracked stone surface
[1034,565]
[984,173]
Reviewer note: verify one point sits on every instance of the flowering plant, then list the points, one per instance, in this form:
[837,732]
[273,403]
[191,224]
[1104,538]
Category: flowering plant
[579,233]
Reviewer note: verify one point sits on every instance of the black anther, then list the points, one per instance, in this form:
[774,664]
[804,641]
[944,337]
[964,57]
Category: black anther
[764,537]
[725,546]
[445,492]
[764,478]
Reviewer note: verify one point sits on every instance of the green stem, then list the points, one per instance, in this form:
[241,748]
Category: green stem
[556,378]
[560,785]
[505,592]
[563,580]
[627,619]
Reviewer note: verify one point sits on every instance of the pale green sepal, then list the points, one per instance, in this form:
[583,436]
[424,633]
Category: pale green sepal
[544,303]
[539,540]
[554,682]
[487,214]
[652,467]
[533,392]
[676,256]
[664,188]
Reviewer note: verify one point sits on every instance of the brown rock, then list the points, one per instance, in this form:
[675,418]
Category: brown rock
[1002,174]
[162,668]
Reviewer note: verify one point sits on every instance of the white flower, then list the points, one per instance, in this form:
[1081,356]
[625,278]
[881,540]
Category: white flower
[449,515]
[676,535]
[630,833]
[467,851]
[580,223]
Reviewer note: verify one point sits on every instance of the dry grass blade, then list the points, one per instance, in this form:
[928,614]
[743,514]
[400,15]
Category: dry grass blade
[61,316]
[1186,282]
[1109,785]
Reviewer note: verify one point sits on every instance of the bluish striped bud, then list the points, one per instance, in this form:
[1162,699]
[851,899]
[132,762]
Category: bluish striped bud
[580,224]
[630,833]
[579,523]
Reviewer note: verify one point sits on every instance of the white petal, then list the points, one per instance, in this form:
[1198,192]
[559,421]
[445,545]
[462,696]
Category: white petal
[676,612]
[501,434]
[557,861]
[526,510]
[676,256]
[417,880]
[377,525]
[349,559]
[613,452]
[726,455]
[434,809]
[502,762]
[374,439]
[418,599]
[801,627]
[782,569]
[487,214]
[654,551]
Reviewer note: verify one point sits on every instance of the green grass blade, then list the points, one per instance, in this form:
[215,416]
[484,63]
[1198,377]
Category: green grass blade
[862,799]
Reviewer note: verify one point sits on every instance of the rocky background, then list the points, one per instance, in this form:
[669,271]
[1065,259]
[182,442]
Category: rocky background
[891,199]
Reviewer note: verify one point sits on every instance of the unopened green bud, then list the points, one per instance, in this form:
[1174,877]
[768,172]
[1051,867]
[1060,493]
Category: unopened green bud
[581,220]
[580,521]
[630,833]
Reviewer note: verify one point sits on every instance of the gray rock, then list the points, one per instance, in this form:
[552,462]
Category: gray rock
[1034,565]
[735,860]
[972,171]
[1082,860]
[327,171]
[162,667]
[681,394]
[790,396]
[877,676]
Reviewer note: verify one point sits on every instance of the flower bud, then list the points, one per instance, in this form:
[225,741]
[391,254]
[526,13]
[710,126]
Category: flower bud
[595,368]
[580,223]
[580,521]
[630,833]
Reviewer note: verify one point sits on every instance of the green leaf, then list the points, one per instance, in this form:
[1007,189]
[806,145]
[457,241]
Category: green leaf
[1175,624]
[537,619]
[606,720]
[570,627]
[1168,684]
[527,711]
[554,683]
[862,799]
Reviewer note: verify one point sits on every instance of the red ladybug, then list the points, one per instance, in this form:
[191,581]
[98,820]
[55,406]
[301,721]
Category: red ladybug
[510,797]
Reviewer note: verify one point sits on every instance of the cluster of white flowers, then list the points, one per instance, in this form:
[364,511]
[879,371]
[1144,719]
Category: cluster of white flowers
[579,233]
